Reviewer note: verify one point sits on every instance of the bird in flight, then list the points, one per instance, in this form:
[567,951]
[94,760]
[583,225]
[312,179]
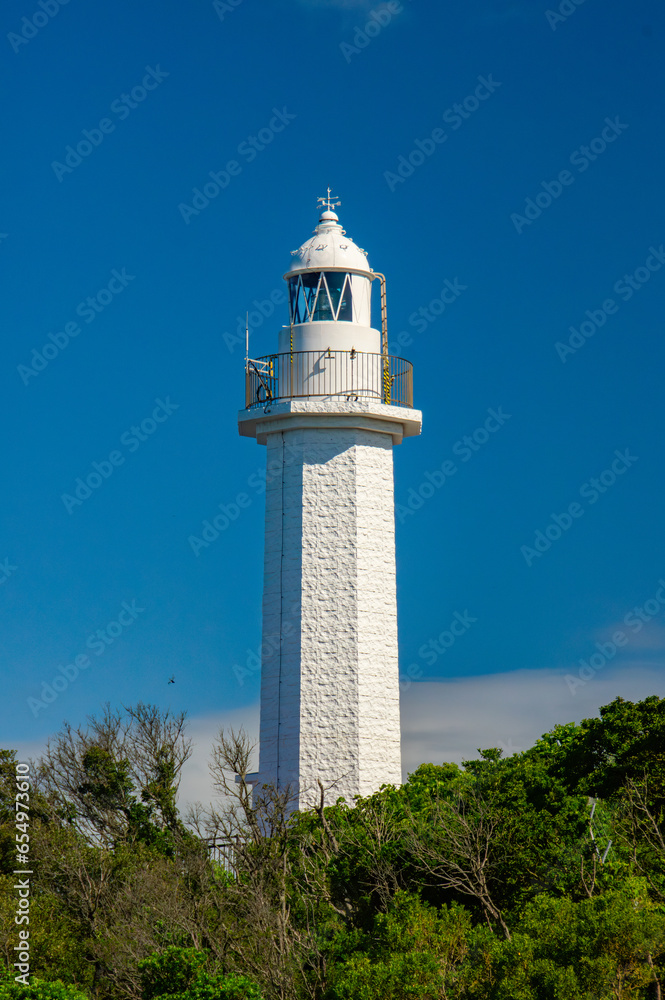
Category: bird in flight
[172,679]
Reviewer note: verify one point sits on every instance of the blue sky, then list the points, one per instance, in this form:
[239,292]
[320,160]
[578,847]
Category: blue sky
[515,154]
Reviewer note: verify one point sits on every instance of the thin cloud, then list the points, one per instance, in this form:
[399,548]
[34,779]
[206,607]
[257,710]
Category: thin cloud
[651,636]
[447,720]
[450,720]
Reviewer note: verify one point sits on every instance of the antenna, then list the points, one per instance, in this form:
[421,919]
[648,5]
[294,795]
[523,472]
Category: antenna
[329,202]
[246,337]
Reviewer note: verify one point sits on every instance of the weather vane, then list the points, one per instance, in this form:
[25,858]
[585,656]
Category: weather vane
[328,202]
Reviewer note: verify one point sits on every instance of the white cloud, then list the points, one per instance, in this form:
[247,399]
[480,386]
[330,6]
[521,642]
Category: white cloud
[25,749]
[449,720]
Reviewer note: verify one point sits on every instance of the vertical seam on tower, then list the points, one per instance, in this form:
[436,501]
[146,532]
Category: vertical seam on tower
[356,599]
[281,612]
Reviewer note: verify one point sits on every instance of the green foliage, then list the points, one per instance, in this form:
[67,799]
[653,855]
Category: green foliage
[7,791]
[39,989]
[107,787]
[173,971]
[161,789]
[221,987]
[107,781]
[538,828]
[486,881]
[178,974]
[413,951]
[55,938]
[620,757]
[606,946]
[626,743]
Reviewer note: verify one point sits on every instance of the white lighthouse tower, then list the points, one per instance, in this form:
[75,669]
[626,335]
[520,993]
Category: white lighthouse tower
[329,405]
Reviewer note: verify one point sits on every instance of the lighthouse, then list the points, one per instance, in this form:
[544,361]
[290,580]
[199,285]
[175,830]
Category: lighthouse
[329,405]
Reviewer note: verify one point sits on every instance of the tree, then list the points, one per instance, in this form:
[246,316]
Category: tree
[112,856]
[117,779]
[627,743]
[620,759]
[455,846]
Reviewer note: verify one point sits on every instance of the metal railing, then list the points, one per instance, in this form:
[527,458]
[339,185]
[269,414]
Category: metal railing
[350,375]
[223,850]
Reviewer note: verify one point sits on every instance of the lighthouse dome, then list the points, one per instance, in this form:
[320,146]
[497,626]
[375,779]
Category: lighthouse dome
[329,249]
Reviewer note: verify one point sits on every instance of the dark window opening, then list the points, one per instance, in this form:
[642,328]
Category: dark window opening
[318,295]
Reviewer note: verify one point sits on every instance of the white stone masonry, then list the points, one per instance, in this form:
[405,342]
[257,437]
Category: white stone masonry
[329,683]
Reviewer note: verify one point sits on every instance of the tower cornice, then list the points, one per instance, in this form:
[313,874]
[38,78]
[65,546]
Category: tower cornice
[398,421]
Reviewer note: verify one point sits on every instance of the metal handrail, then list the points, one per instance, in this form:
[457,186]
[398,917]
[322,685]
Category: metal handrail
[351,375]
